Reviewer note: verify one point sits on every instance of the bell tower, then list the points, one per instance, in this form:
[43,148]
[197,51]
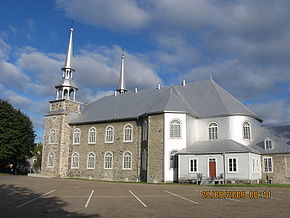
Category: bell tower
[57,131]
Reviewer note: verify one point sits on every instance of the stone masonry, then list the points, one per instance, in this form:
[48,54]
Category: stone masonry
[281,169]
[155,173]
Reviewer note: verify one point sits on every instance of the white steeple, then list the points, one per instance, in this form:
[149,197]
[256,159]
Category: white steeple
[66,89]
[122,86]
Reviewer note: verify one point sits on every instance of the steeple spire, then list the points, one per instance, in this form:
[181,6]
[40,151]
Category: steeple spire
[68,60]
[122,86]
[66,89]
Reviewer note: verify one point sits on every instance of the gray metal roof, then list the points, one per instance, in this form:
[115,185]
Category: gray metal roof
[200,99]
[280,142]
[216,146]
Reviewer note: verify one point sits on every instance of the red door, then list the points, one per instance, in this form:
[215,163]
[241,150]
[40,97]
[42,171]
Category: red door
[212,168]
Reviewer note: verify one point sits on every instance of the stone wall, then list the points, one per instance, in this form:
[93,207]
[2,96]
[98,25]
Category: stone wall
[64,104]
[281,169]
[155,168]
[57,119]
[117,148]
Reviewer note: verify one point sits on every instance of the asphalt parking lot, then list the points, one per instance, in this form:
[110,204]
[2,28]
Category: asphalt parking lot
[23,196]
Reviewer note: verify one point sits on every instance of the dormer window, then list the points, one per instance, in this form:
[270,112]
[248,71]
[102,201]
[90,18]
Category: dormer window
[268,144]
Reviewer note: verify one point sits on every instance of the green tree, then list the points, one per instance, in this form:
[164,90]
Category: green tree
[38,155]
[16,136]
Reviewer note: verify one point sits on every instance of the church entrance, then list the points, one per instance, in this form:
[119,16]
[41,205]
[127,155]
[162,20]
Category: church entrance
[212,168]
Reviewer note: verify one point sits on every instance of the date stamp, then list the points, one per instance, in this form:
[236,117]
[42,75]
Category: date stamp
[235,194]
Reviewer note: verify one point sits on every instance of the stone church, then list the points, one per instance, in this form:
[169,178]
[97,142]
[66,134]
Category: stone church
[195,131]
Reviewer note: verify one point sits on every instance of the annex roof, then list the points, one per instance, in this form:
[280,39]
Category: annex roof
[216,147]
[200,99]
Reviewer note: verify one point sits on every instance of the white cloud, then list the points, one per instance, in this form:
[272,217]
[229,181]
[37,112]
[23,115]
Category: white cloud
[275,112]
[122,14]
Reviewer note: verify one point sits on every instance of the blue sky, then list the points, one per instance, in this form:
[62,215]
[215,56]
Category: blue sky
[243,45]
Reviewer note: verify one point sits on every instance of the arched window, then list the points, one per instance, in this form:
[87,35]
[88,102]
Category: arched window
[173,159]
[50,159]
[109,134]
[77,136]
[91,161]
[92,135]
[144,131]
[52,136]
[128,131]
[75,161]
[127,160]
[144,160]
[246,130]
[212,131]
[175,129]
[108,160]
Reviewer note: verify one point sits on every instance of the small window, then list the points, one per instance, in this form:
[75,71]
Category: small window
[213,131]
[268,144]
[91,161]
[128,132]
[268,164]
[109,134]
[50,161]
[127,161]
[92,135]
[175,129]
[144,160]
[52,136]
[144,131]
[108,160]
[75,161]
[247,131]
[77,136]
[192,165]
[173,159]
[253,165]
[232,165]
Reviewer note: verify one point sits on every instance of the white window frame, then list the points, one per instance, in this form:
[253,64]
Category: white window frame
[247,131]
[88,156]
[213,131]
[50,161]
[90,137]
[124,160]
[229,167]
[128,127]
[266,144]
[144,131]
[266,170]
[106,160]
[253,165]
[77,156]
[111,140]
[175,129]
[52,136]
[76,142]
[195,165]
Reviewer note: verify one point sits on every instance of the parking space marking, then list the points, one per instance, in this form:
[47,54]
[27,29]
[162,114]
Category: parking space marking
[34,199]
[234,200]
[137,198]
[88,201]
[180,197]
[275,198]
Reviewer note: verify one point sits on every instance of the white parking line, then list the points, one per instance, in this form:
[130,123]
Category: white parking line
[34,199]
[88,201]
[234,200]
[181,197]
[138,199]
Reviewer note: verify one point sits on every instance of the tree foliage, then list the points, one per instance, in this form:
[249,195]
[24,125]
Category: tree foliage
[16,135]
